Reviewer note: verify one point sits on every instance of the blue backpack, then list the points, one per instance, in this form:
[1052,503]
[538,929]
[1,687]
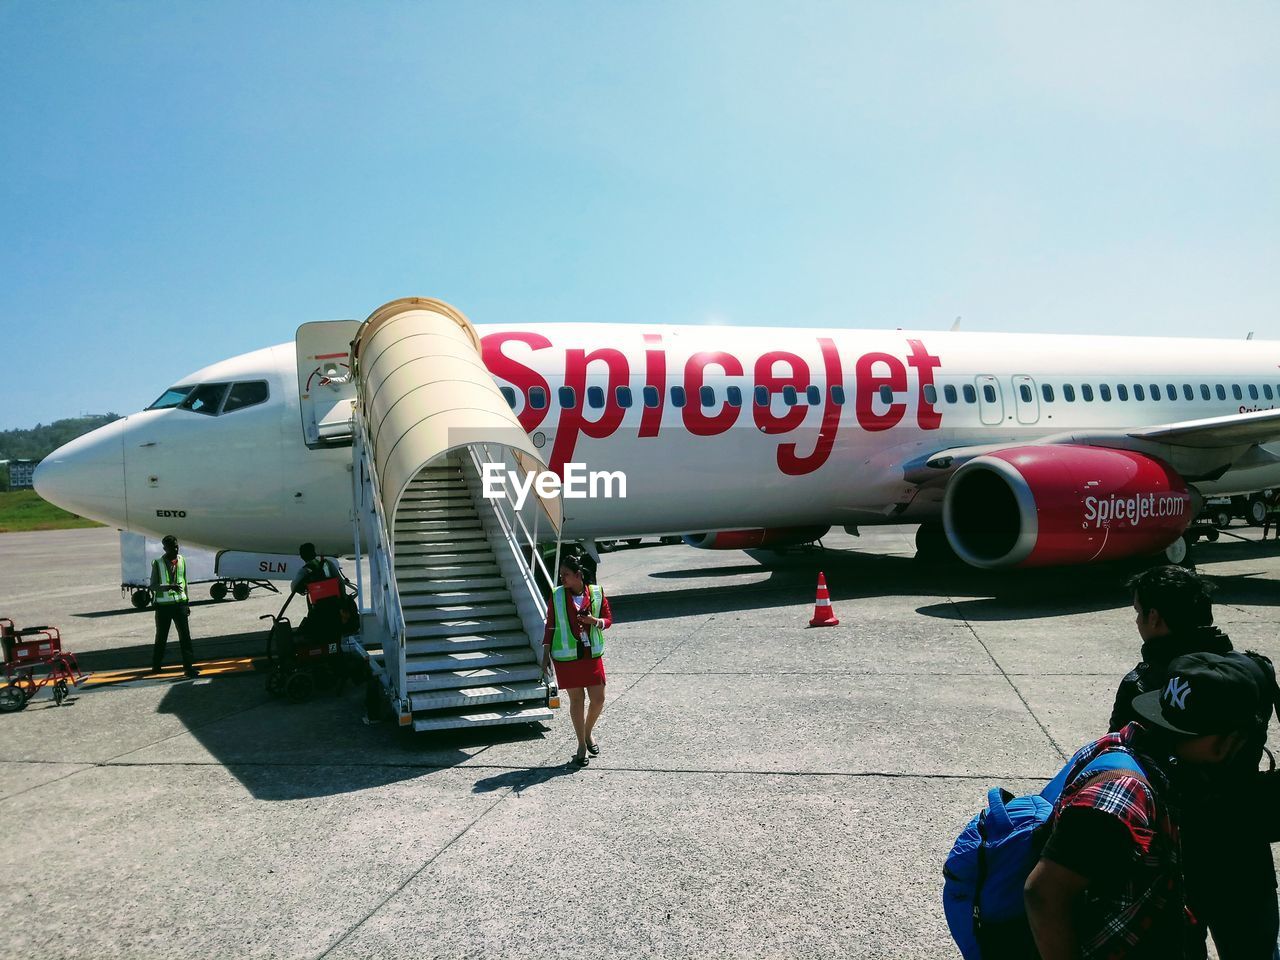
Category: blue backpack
[993,856]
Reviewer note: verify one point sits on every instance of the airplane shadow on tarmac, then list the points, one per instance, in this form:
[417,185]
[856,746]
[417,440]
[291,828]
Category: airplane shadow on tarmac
[972,594]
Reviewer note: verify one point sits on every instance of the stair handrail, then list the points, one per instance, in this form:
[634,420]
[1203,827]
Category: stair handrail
[382,570]
[529,568]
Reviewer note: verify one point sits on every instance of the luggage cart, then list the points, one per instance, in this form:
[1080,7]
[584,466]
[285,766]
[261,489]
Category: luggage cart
[34,659]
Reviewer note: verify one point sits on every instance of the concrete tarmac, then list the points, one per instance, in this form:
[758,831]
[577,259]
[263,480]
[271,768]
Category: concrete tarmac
[764,790]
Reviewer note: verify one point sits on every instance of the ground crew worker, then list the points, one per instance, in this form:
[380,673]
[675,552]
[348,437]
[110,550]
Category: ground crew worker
[324,621]
[1273,514]
[169,596]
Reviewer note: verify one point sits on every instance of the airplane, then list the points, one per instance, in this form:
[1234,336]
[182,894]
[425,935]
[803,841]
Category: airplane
[1008,449]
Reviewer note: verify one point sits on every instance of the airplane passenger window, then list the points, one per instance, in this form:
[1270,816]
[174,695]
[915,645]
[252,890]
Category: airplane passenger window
[970,394]
[814,395]
[1187,392]
[950,393]
[1171,391]
[509,395]
[930,394]
[170,398]
[762,396]
[595,398]
[623,395]
[1155,391]
[1122,392]
[677,396]
[247,394]
[568,398]
[1253,392]
[886,393]
[837,395]
[1235,391]
[789,396]
[537,398]
[1024,391]
[1266,391]
[988,392]
[1221,391]
[1086,393]
[206,398]
[1204,392]
[651,397]
[1068,393]
[707,396]
[1138,393]
[1104,392]
[734,396]
[1046,391]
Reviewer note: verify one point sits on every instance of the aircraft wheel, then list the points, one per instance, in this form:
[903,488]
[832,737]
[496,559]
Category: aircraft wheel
[1256,511]
[299,687]
[240,591]
[218,591]
[141,599]
[1179,553]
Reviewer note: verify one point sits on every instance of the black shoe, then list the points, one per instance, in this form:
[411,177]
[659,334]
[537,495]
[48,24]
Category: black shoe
[581,759]
[593,748]
[191,673]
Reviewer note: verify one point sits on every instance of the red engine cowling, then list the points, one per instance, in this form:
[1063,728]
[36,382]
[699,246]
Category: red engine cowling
[1046,505]
[750,539]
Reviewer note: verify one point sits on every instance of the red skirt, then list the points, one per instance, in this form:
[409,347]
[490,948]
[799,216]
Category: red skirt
[583,672]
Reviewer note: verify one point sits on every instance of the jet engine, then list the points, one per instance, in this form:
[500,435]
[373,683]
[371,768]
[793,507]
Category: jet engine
[750,539]
[1049,505]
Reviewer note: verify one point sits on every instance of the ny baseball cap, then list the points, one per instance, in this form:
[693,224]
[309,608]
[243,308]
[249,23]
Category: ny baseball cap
[1205,694]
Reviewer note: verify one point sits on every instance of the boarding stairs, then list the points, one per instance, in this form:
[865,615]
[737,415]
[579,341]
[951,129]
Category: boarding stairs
[457,581]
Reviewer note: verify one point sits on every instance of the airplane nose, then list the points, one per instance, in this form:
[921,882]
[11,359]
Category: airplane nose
[86,476]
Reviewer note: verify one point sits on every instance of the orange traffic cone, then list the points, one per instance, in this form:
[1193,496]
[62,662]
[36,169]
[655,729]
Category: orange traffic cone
[823,615]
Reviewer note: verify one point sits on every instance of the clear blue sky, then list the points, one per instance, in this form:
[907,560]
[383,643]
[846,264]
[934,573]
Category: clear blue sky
[181,182]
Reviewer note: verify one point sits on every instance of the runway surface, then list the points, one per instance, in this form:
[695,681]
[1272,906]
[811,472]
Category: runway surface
[764,790]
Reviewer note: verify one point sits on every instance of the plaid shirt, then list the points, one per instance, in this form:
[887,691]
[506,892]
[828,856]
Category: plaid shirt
[1142,914]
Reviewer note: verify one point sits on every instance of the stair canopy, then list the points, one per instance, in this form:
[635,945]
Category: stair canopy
[425,391]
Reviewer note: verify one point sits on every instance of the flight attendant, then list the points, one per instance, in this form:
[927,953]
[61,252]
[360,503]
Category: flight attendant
[577,617]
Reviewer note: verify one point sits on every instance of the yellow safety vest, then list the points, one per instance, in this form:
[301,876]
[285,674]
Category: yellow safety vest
[564,645]
[175,590]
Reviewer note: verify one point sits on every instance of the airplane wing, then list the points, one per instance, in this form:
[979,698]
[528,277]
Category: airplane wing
[1197,449]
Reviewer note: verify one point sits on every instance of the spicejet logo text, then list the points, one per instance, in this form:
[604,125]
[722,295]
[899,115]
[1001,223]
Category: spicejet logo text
[775,370]
[1142,506]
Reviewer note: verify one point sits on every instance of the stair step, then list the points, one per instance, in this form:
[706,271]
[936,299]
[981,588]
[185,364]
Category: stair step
[436,512]
[499,693]
[448,585]
[467,718]
[460,628]
[498,640]
[472,677]
[412,575]
[443,497]
[413,538]
[466,660]
[458,597]
[466,550]
[453,613]
[418,525]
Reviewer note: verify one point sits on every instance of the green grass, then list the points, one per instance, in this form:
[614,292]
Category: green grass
[24,510]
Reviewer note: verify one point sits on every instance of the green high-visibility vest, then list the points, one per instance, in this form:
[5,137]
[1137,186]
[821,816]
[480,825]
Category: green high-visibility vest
[564,645]
[171,590]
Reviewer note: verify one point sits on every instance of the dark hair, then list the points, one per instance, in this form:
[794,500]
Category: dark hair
[579,563]
[1181,596]
[169,538]
[307,551]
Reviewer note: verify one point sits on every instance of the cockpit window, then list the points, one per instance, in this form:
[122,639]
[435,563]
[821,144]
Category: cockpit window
[170,398]
[205,398]
[246,395]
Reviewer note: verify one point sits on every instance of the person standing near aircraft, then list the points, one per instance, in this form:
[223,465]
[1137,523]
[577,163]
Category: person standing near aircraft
[1230,876]
[169,593]
[573,641]
[1273,514]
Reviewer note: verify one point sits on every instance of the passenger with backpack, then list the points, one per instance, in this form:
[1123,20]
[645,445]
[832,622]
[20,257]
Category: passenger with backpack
[1230,876]
[1090,868]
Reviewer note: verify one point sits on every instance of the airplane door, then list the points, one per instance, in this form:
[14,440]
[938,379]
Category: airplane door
[990,400]
[1025,400]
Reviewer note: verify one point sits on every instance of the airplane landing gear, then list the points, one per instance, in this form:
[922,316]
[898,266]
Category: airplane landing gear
[932,545]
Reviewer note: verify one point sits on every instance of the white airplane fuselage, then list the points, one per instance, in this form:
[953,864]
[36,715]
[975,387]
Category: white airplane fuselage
[845,411]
